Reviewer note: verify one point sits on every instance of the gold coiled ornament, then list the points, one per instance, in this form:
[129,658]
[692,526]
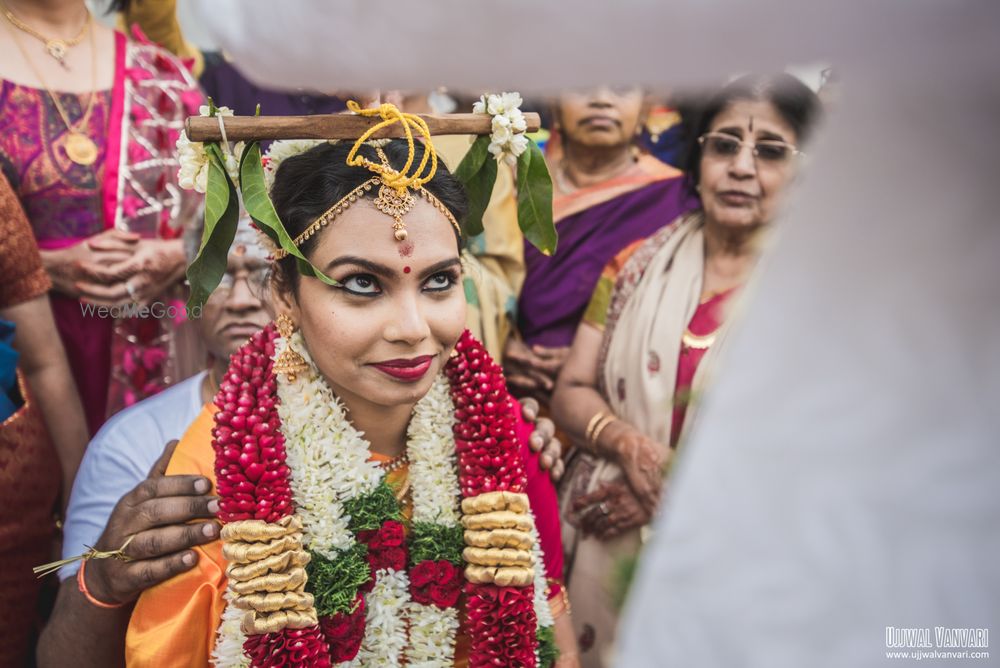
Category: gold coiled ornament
[267,575]
[499,539]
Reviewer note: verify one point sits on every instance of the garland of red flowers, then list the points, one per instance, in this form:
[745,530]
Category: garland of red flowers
[252,478]
[501,620]
[253,483]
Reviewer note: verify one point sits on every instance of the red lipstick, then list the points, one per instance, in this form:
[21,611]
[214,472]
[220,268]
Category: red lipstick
[406,370]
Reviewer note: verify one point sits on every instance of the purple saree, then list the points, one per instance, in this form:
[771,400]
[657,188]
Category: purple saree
[592,229]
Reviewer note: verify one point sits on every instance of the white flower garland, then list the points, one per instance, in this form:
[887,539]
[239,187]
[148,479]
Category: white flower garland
[543,612]
[385,620]
[507,140]
[436,490]
[433,462]
[433,632]
[327,456]
[193,158]
[228,651]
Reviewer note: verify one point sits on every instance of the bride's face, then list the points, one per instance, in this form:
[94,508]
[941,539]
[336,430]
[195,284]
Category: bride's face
[386,331]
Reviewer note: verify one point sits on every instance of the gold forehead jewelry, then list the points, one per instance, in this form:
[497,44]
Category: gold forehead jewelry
[394,198]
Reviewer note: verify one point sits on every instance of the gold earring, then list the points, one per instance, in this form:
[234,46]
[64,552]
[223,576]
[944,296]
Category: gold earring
[289,361]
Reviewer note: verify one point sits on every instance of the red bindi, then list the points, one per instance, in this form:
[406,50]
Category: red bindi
[406,270]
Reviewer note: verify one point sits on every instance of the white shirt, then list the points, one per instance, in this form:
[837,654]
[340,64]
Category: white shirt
[120,457]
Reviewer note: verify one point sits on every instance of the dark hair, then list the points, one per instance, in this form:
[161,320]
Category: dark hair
[308,184]
[796,103]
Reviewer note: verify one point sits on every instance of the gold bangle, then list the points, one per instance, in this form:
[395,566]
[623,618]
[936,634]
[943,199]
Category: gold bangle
[608,419]
[559,604]
[598,416]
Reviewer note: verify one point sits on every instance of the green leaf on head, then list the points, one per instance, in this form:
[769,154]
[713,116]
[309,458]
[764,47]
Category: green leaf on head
[222,212]
[257,202]
[534,200]
[478,173]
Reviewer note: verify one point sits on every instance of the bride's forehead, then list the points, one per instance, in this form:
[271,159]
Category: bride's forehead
[429,232]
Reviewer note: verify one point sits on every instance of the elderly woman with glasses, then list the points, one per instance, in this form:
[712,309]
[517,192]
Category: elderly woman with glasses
[659,310]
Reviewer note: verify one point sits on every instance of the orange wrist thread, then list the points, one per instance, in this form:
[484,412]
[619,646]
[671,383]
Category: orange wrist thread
[81,583]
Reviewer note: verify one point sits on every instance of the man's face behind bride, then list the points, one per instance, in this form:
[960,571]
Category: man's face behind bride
[382,335]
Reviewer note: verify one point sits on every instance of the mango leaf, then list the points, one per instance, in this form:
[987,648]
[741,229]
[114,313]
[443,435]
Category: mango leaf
[478,173]
[257,202]
[221,217]
[534,200]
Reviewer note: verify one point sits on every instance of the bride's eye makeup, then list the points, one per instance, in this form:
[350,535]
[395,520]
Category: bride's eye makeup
[367,285]
[441,281]
[363,285]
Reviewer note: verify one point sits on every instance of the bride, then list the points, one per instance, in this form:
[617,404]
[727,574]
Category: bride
[379,505]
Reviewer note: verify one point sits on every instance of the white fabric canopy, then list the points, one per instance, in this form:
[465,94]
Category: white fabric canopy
[845,472]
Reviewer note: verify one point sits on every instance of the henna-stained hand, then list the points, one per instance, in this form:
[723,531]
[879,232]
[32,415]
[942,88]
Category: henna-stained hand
[610,510]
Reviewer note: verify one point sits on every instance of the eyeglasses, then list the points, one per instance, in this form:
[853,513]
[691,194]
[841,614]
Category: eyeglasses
[723,146]
[256,280]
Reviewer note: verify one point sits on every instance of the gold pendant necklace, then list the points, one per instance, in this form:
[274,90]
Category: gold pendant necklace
[57,47]
[79,148]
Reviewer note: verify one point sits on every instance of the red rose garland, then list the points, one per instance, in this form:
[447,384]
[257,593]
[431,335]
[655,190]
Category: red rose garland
[345,631]
[501,620]
[253,483]
[436,583]
[386,547]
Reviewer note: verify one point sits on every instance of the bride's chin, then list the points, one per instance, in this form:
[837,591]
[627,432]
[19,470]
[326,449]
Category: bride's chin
[390,393]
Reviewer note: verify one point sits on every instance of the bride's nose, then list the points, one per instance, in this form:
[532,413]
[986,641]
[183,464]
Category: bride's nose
[408,324]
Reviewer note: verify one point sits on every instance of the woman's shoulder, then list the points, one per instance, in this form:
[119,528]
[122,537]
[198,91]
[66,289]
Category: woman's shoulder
[156,61]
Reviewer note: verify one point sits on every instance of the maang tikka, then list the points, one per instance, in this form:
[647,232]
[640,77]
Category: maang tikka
[289,361]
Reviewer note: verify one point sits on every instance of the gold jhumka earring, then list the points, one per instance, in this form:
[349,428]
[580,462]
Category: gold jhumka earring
[289,361]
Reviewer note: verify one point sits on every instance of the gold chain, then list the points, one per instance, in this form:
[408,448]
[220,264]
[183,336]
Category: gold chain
[396,462]
[56,47]
[74,128]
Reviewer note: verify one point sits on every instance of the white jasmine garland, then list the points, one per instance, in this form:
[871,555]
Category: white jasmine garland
[228,650]
[385,621]
[543,612]
[327,456]
[433,462]
[435,490]
[432,636]
[193,159]
[507,140]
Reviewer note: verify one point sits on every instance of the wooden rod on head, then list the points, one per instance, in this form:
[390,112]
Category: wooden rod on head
[335,126]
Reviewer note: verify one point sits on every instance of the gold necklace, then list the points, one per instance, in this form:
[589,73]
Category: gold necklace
[56,47]
[80,148]
[395,463]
